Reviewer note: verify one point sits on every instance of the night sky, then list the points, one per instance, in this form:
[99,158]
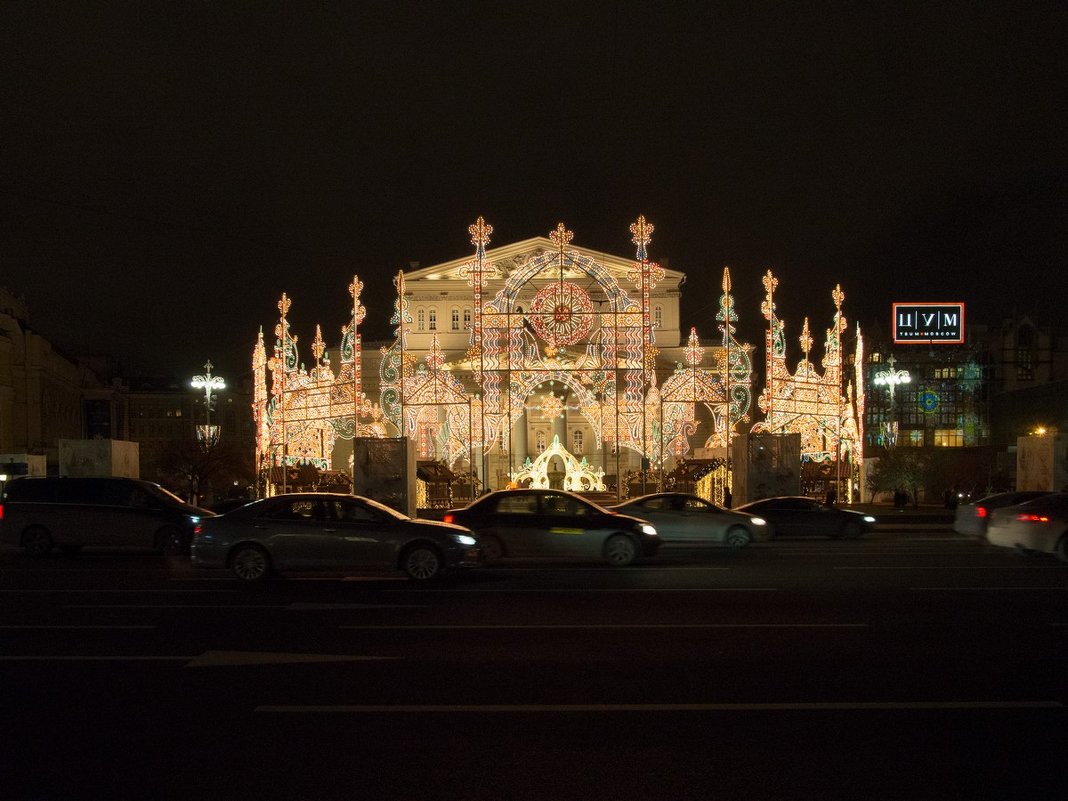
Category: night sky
[169,169]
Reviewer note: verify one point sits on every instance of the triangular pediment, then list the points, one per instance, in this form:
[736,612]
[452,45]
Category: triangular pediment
[502,261]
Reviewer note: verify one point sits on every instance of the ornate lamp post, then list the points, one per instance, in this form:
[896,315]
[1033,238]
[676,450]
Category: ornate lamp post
[890,379]
[209,383]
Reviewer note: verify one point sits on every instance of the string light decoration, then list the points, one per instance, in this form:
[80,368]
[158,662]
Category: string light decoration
[807,402]
[300,416]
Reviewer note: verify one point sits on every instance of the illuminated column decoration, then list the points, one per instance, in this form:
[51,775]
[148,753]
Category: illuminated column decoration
[396,361]
[475,272]
[736,369]
[259,404]
[210,384]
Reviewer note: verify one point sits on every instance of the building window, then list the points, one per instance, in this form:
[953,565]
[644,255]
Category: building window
[913,438]
[467,318]
[421,317]
[539,441]
[948,438]
[658,316]
[576,442]
[433,326]
[455,321]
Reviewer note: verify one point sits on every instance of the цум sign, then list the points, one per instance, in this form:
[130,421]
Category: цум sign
[925,323]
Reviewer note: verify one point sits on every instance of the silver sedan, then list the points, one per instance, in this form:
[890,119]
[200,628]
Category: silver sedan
[1039,525]
[684,519]
[328,532]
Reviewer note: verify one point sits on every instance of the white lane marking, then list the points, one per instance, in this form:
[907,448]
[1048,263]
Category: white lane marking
[593,589]
[296,607]
[239,658]
[109,592]
[621,626]
[210,658]
[945,567]
[988,589]
[28,628]
[96,658]
[770,707]
[174,606]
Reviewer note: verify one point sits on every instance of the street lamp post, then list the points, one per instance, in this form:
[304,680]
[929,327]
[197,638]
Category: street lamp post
[210,384]
[890,379]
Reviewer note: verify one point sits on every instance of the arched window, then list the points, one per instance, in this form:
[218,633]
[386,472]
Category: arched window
[658,316]
[455,321]
[539,441]
[421,318]
[576,442]
[467,318]
[433,320]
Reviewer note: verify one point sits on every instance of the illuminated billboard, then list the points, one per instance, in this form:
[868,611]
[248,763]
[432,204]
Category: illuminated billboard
[927,323]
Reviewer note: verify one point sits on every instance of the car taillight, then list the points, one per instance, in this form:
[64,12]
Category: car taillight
[981,512]
[198,529]
[1032,518]
[448,518]
[1,511]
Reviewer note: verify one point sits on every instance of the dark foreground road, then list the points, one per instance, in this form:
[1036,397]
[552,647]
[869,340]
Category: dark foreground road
[900,666]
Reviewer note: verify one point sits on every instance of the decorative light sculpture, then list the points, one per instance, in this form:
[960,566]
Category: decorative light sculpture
[210,384]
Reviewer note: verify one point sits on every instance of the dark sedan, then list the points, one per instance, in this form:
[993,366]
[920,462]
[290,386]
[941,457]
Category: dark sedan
[554,523]
[799,515]
[328,532]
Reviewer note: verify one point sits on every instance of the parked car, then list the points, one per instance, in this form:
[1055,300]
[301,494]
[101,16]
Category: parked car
[973,518]
[40,513]
[684,519]
[554,523]
[799,515]
[328,532]
[1039,525]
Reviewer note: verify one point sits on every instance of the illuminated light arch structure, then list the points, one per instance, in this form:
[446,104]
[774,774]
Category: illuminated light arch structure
[302,413]
[807,402]
[560,317]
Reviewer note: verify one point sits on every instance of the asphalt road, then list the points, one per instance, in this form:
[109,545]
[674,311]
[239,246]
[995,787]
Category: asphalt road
[905,665]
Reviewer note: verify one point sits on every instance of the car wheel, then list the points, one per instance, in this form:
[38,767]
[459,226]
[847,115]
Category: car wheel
[169,542]
[421,562]
[250,563]
[1062,548]
[492,548]
[737,537]
[620,550]
[36,541]
[851,530]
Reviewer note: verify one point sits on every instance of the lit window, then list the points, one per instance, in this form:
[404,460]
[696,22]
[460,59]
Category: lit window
[576,442]
[433,320]
[421,317]
[539,440]
[912,438]
[455,321]
[949,438]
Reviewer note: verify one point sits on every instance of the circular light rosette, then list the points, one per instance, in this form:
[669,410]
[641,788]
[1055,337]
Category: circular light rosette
[562,313]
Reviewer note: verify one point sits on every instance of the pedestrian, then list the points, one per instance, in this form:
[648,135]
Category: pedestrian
[727,497]
[832,496]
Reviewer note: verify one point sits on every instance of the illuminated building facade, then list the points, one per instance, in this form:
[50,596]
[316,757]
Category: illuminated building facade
[540,347]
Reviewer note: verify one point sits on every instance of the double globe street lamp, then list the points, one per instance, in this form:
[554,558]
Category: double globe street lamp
[210,384]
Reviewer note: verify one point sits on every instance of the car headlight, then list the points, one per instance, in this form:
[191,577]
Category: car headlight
[464,539]
[869,519]
[194,519]
[758,521]
[648,530]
